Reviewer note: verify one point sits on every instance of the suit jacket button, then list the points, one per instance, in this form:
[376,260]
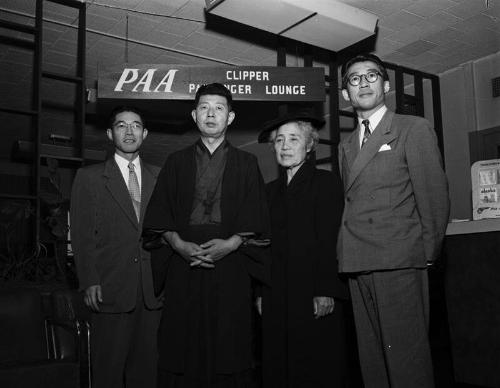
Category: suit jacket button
[348,199]
[136,260]
[345,223]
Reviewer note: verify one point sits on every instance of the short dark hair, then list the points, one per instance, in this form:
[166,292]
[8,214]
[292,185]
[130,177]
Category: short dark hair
[215,89]
[363,58]
[124,108]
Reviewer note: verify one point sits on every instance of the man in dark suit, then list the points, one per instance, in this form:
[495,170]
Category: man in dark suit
[108,202]
[395,217]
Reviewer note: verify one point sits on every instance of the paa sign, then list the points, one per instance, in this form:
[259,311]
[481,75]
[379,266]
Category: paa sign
[179,82]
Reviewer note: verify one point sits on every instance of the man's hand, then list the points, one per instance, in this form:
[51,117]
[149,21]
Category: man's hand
[217,248]
[92,297]
[323,305]
[188,250]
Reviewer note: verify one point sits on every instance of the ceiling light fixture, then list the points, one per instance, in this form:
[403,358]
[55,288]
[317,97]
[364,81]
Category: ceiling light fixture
[328,24]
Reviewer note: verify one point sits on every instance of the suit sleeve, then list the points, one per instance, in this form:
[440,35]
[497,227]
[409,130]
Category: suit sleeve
[328,209]
[83,213]
[430,186]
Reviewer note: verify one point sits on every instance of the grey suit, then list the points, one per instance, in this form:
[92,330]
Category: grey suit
[106,239]
[395,217]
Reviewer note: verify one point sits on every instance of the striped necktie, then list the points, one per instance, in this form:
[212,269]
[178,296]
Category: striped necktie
[366,133]
[134,189]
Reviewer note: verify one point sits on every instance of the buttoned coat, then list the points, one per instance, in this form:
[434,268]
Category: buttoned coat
[106,235]
[300,351]
[396,197]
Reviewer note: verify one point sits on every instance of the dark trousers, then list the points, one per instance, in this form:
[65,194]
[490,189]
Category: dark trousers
[391,312]
[124,348]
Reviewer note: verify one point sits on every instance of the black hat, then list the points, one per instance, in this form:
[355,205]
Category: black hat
[298,115]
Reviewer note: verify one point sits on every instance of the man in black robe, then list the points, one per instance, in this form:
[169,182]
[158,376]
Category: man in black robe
[209,212]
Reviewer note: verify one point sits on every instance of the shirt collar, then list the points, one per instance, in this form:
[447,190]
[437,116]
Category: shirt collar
[123,163]
[375,118]
[203,148]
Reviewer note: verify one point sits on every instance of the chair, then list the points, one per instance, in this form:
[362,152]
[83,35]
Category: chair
[40,351]
[69,317]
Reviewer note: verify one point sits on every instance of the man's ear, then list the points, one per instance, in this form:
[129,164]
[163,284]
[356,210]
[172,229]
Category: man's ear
[144,133]
[345,94]
[387,87]
[230,117]
[193,115]
[109,132]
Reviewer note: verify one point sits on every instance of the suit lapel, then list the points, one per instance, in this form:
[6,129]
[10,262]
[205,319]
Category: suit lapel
[351,148]
[383,134]
[118,189]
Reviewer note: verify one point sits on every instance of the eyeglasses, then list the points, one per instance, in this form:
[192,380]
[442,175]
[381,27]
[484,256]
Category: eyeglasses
[122,125]
[371,77]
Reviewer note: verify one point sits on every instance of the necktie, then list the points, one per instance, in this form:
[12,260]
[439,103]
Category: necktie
[134,190]
[366,133]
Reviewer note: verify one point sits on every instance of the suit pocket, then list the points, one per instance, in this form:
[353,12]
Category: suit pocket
[384,163]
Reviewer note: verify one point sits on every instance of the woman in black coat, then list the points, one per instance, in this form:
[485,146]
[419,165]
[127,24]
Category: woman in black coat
[302,312]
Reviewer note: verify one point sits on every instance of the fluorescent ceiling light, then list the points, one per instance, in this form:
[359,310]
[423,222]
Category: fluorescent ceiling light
[328,24]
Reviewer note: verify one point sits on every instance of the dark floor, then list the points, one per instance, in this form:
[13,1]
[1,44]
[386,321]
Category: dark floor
[439,337]
[439,333]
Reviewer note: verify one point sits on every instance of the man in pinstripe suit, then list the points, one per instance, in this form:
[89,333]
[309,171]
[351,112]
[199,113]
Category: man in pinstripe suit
[395,217]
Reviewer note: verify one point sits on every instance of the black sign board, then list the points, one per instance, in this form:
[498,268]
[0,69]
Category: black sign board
[180,82]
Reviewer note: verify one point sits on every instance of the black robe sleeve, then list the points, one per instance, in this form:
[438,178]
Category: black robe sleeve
[245,211]
[159,218]
[253,215]
[328,209]
[257,247]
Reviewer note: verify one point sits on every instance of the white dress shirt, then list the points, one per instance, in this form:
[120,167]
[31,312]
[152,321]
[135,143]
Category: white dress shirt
[123,166]
[374,120]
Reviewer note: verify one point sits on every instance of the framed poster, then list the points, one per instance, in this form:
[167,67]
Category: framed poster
[485,176]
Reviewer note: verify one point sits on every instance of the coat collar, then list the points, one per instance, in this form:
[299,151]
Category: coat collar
[357,159]
[303,173]
[187,184]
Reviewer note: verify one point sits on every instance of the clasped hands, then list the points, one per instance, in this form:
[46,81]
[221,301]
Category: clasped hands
[203,255]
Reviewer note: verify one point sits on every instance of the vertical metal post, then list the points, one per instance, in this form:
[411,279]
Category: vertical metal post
[308,57]
[400,92]
[333,92]
[37,120]
[436,110]
[419,94]
[81,101]
[281,62]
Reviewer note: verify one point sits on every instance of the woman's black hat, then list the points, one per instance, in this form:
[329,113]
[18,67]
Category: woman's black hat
[296,115]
